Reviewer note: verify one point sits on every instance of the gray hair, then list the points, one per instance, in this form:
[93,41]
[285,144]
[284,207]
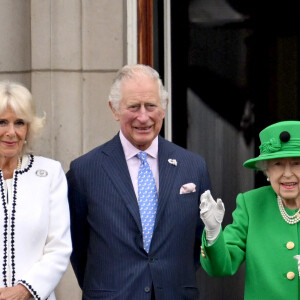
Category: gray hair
[262,165]
[17,97]
[133,72]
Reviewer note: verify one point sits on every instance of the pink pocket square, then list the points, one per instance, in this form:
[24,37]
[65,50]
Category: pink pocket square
[188,188]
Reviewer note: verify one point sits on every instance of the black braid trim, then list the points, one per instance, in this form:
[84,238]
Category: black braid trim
[5,223]
[13,218]
[30,288]
[5,232]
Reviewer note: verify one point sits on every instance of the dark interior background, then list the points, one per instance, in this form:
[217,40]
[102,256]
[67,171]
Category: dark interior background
[235,70]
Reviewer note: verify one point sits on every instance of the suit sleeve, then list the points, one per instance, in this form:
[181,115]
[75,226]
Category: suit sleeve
[204,185]
[79,225]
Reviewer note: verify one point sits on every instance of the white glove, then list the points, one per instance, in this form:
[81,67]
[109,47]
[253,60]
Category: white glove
[298,258]
[211,213]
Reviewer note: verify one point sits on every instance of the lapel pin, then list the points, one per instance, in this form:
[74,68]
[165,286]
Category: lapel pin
[172,161]
[41,173]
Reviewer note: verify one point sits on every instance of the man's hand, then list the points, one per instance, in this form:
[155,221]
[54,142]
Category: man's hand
[18,292]
[211,213]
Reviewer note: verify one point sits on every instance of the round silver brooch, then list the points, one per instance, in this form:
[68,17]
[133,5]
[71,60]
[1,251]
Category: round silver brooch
[41,173]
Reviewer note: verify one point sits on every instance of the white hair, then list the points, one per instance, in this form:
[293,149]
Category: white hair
[262,165]
[133,72]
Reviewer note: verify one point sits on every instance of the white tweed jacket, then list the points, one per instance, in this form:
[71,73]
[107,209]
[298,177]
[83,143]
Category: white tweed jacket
[35,237]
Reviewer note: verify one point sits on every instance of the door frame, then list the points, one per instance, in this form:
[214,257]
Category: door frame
[140,32]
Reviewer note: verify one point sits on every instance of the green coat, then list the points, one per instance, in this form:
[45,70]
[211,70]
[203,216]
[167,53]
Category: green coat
[260,236]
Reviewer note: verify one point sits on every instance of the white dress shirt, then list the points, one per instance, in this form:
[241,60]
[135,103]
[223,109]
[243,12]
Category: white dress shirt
[133,162]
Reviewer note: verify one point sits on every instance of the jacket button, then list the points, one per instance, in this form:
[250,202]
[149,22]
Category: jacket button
[290,245]
[147,289]
[151,259]
[290,275]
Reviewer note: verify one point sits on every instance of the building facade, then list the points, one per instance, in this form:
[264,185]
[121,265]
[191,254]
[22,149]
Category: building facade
[66,53]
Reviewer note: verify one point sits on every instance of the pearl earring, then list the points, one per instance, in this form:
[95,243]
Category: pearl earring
[268,179]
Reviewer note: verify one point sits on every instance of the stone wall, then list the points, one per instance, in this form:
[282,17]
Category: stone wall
[66,52]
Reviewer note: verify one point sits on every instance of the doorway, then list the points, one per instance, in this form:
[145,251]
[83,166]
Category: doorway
[235,70]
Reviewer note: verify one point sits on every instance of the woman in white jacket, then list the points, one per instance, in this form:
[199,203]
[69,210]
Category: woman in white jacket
[35,243]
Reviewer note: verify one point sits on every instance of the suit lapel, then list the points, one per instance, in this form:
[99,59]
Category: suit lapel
[116,167]
[167,173]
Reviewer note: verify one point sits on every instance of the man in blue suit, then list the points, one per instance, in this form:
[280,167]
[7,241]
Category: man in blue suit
[118,253]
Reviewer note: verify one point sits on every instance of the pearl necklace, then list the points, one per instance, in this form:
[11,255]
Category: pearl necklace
[19,163]
[289,219]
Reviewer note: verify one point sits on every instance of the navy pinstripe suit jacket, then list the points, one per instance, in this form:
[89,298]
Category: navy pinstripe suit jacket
[108,257]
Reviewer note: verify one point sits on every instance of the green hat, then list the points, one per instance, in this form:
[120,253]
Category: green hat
[279,140]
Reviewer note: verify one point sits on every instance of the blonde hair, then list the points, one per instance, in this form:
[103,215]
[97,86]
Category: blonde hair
[16,96]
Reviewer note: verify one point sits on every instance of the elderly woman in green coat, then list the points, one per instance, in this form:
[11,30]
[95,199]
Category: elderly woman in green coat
[265,232]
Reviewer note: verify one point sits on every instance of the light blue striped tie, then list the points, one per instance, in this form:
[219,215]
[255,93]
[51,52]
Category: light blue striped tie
[147,198]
